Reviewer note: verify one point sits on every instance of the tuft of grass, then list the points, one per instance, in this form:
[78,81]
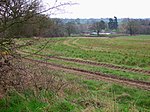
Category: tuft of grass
[62,106]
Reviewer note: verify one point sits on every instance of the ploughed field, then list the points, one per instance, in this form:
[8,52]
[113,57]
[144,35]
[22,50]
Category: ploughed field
[122,62]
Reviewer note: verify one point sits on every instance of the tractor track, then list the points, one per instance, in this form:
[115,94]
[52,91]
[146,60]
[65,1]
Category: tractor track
[101,76]
[106,65]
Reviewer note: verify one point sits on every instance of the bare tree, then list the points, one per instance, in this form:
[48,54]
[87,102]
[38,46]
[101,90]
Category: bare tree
[70,28]
[98,26]
[13,14]
[132,27]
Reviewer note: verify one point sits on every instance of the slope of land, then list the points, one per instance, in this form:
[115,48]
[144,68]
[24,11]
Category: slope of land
[84,75]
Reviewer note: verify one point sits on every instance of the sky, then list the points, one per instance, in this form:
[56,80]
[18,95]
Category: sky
[104,9]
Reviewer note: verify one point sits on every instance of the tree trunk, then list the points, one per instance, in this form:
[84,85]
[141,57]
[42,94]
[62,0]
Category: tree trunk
[98,33]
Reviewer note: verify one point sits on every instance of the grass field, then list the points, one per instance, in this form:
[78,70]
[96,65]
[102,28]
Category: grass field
[127,51]
[85,93]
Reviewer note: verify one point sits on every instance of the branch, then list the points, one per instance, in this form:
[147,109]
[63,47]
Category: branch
[29,17]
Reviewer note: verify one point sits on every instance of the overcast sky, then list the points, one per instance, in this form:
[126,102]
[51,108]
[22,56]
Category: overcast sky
[106,8]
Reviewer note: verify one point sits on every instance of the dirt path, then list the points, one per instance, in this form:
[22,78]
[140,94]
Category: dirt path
[67,42]
[101,76]
[106,65]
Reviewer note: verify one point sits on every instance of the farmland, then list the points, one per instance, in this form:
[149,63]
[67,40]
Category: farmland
[132,52]
[99,74]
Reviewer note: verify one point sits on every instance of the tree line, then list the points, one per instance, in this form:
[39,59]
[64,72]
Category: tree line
[135,26]
[21,18]
[43,26]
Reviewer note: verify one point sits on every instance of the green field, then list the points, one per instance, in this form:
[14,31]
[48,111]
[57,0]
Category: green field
[127,51]
[81,93]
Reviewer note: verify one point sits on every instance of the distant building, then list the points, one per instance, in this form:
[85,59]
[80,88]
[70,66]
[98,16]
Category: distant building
[86,33]
[104,33]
